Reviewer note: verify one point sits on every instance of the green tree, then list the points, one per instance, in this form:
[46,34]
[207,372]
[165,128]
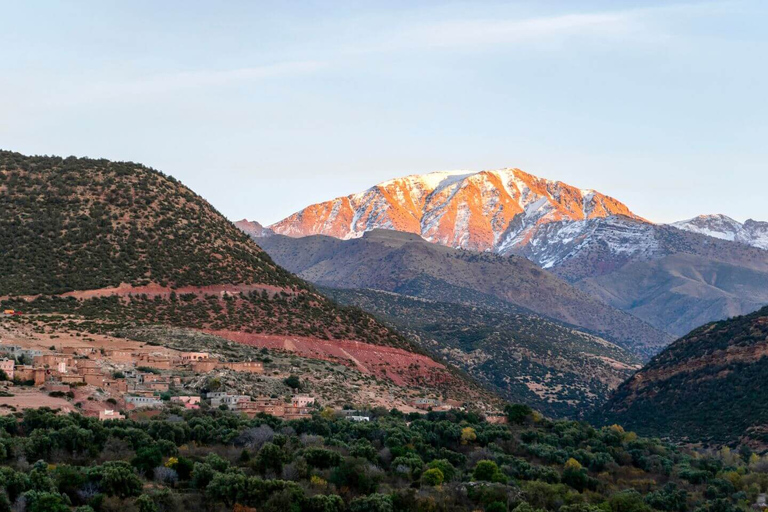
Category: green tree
[227,488]
[488,471]
[432,477]
[145,504]
[445,467]
[269,458]
[372,503]
[517,413]
[324,503]
[119,479]
[147,459]
[293,382]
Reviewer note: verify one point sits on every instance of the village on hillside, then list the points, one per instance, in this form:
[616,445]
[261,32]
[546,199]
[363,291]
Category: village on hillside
[113,379]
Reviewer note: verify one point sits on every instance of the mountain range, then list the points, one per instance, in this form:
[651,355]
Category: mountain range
[674,277]
[521,330]
[405,263]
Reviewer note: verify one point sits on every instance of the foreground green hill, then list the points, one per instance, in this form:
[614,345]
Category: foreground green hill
[708,386]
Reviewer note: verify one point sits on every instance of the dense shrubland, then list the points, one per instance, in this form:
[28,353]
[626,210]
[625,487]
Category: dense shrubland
[78,224]
[215,460]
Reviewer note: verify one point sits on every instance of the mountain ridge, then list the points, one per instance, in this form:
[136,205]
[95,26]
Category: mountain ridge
[750,232]
[471,210]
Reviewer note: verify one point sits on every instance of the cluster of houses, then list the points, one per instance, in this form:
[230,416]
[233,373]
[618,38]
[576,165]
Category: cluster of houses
[297,409]
[432,404]
[135,376]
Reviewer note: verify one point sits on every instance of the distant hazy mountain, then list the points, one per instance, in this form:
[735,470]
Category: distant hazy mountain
[751,232]
[708,386]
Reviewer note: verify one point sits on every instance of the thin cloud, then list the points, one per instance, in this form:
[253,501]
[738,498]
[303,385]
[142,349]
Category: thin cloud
[162,84]
[491,32]
[138,88]
[637,24]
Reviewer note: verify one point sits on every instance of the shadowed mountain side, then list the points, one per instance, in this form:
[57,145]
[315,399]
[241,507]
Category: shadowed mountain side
[405,263]
[680,292]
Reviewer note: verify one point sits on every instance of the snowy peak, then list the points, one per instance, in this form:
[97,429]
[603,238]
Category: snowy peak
[497,210]
[752,232]
[716,225]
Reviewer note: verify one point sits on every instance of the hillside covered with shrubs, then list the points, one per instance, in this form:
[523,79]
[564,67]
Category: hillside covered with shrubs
[710,385]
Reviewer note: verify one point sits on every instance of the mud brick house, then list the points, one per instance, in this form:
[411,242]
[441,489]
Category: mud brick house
[302,400]
[194,400]
[189,357]
[245,366]
[158,362]
[120,356]
[109,414]
[16,351]
[424,403]
[115,385]
[143,401]
[58,361]
[158,385]
[296,413]
[94,379]
[71,378]
[204,366]
[498,418]
[30,373]
[7,365]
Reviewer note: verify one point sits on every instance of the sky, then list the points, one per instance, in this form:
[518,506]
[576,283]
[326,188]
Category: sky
[266,107]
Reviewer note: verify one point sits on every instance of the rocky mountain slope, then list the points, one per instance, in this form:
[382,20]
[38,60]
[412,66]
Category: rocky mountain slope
[706,387]
[687,280]
[96,245]
[497,210]
[751,232]
[407,264]
[561,371]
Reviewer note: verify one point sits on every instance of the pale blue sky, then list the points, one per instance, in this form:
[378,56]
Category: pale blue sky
[265,107]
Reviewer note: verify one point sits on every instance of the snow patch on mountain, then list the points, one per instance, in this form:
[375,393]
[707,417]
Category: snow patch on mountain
[751,232]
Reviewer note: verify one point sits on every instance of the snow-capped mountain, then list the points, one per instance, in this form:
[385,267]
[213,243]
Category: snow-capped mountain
[503,211]
[673,277]
[751,232]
